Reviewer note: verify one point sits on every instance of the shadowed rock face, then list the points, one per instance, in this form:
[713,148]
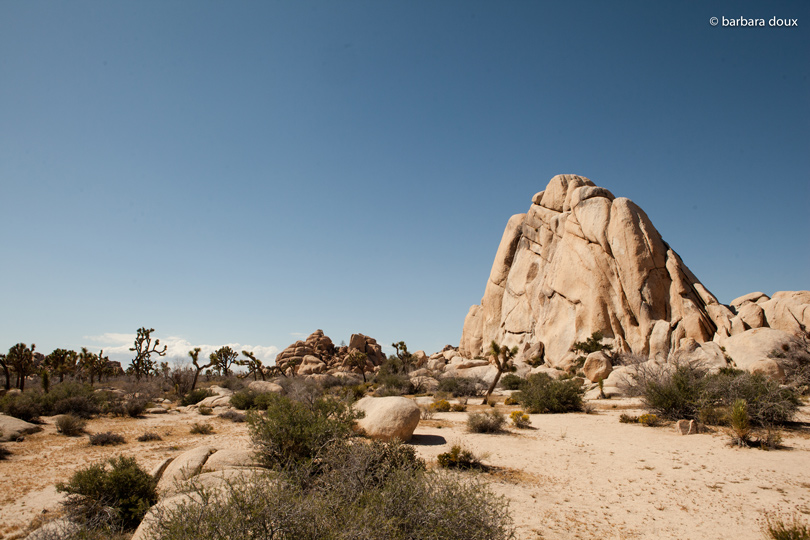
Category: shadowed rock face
[582,260]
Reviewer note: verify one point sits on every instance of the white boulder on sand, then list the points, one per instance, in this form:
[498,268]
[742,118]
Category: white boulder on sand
[388,418]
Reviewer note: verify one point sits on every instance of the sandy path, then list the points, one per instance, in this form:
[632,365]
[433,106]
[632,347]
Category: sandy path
[572,476]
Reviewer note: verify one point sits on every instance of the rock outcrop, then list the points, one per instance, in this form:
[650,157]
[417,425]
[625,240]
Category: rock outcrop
[317,355]
[582,260]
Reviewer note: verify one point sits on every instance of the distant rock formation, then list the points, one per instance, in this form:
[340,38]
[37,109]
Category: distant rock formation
[317,354]
[579,261]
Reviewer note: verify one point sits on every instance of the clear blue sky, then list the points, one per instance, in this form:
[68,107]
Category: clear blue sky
[247,172]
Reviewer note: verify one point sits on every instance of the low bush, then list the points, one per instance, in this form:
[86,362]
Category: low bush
[201,429]
[520,419]
[65,391]
[149,436]
[243,400]
[70,425]
[115,495]
[4,452]
[459,458]
[376,491]
[542,394]
[81,406]
[106,438]
[767,402]
[486,422]
[510,381]
[205,411]
[196,396]
[21,406]
[426,412]
[625,418]
[462,386]
[290,432]
[134,407]
[458,407]
[441,405]
[233,416]
[649,420]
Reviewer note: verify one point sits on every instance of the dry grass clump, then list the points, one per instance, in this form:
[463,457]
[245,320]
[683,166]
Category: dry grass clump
[486,422]
[149,436]
[201,429]
[233,416]
[70,425]
[106,438]
[780,528]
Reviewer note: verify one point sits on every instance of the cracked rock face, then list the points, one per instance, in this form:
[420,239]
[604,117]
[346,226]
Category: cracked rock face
[582,260]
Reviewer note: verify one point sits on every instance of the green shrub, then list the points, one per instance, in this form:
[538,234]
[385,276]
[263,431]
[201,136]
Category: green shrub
[767,402]
[196,396]
[243,400]
[149,436]
[290,431]
[676,393]
[486,422]
[233,416]
[106,438]
[458,458]
[542,394]
[70,425]
[376,491]
[65,391]
[114,495]
[393,384]
[510,381]
[82,406]
[462,386]
[201,429]
[740,423]
[22,406]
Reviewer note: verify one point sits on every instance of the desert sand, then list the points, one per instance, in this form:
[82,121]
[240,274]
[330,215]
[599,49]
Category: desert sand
[569,476]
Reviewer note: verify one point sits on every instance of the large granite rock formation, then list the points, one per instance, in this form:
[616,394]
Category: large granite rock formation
[579,261]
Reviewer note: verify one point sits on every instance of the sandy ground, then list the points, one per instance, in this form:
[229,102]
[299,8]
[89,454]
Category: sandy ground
[570,476]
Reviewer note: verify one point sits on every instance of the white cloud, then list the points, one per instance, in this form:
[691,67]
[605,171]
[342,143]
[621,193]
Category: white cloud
[117,347]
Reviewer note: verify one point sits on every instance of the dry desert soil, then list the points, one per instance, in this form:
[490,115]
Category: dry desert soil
[569,476]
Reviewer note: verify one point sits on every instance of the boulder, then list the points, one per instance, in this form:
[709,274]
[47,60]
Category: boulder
[755,345]
[579,261]
[388,418]
[58,528]
[265,387]
[183,467]
[12,428]
[768,367]
[597,366]
[230,458]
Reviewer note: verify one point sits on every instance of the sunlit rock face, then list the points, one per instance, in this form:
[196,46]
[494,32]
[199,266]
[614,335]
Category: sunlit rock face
[582,260]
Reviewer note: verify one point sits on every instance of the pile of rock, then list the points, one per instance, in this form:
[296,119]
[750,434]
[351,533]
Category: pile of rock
[318,355]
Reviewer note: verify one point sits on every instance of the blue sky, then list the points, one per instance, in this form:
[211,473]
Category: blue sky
[246,172]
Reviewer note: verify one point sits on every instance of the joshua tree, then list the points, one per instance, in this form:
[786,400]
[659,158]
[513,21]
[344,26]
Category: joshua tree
[6,370]
[61,362]
[143,364]
[222,359]
[253,364]
[195,355]
[358,359]
[503,361]
[21,358]
[87,364]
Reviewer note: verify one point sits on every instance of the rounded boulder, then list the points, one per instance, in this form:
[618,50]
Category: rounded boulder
[388,418]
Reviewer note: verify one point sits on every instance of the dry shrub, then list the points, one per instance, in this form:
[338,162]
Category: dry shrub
[486,422]
[149,436]
[106,438]
[70,425]
[201,429]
